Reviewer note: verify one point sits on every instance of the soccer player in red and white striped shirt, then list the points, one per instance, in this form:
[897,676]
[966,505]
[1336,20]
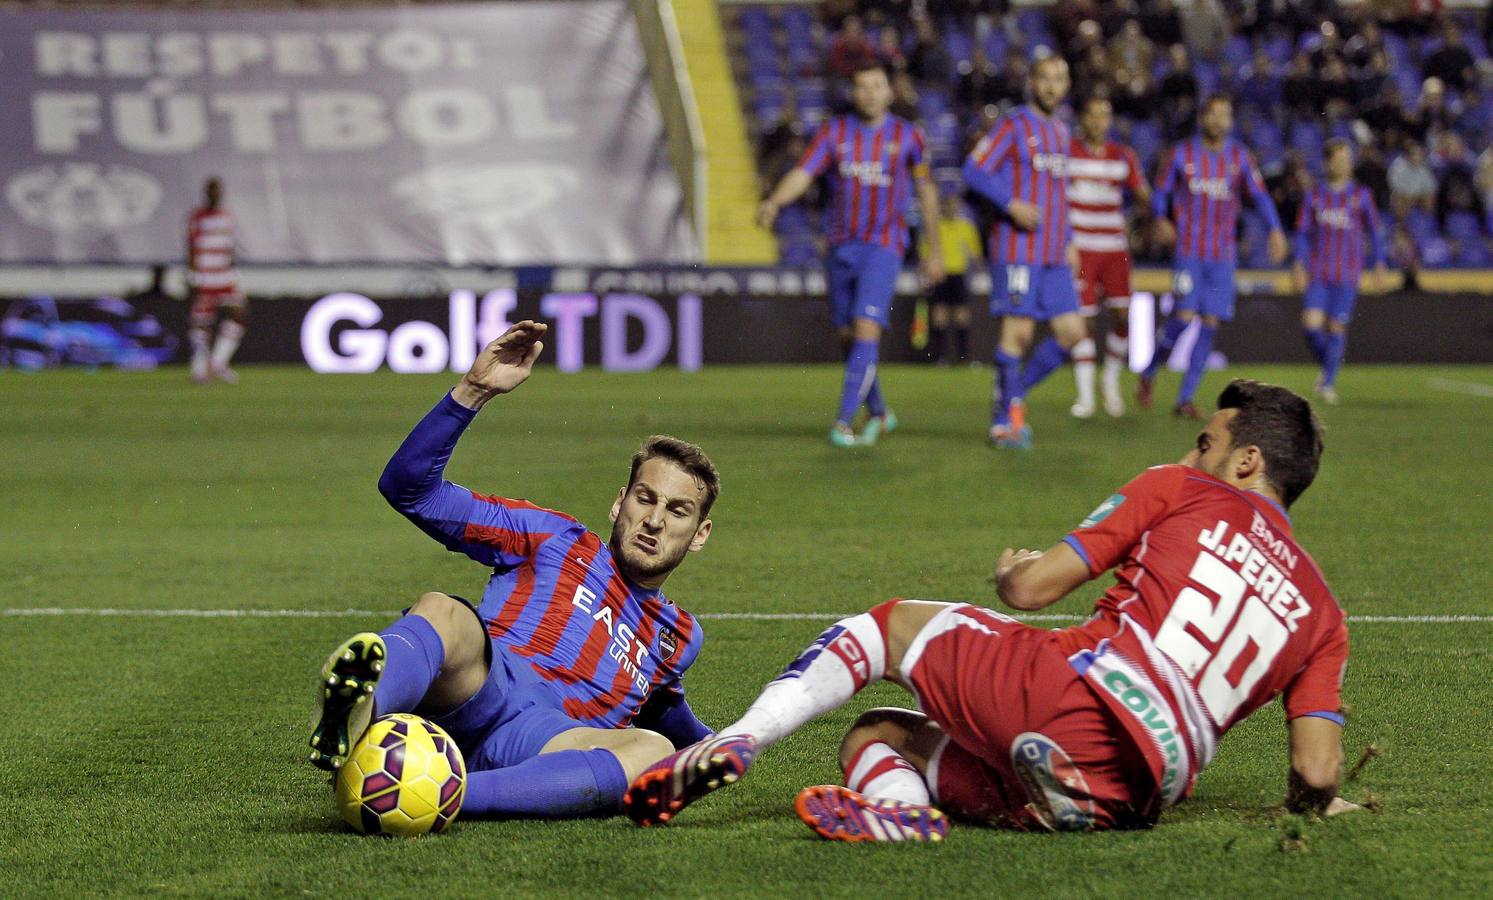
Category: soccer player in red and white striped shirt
[211,241]
[1100,172]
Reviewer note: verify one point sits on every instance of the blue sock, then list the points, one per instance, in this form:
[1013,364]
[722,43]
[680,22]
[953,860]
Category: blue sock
[564,785]
[415,655]
[1043,362]
[1007,383]
[1169,334]
[875,405]
[860,370]
[1337,344]
[1197,365]
[1316,342]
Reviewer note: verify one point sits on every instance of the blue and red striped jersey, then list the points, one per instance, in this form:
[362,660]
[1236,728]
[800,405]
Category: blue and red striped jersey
[1203,190]
[1331,230]
[871,171]
[556,601]
[1025,157]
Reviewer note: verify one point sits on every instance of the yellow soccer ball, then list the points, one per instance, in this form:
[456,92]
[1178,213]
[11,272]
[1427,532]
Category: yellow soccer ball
[404,777]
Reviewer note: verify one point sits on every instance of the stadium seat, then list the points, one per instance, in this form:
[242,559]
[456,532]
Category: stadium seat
[798,19]
[1472,253]
[1435,253]
[1463,226]
[1236,52]
[958,44]
[1421,225]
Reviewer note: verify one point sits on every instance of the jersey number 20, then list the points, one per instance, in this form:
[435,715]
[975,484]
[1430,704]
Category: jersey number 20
[1211,618]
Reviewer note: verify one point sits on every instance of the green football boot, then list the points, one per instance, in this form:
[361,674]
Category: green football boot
[346,691]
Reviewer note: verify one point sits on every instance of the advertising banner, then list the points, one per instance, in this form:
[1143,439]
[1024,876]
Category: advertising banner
[492,133]
[643,320]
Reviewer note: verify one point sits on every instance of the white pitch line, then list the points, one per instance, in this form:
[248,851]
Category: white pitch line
[1475,388]
[152,613]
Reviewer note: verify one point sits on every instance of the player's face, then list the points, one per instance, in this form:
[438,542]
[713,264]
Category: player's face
[1096,120]
[656,521]
[871,93]
[1050,83]
[1218,121]
[1214,452]
[1339,164]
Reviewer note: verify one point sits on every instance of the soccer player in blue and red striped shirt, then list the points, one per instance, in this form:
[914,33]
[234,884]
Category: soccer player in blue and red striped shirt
[1338,233]
[875,161]
[1197,203]
[573,641]
[1021,167]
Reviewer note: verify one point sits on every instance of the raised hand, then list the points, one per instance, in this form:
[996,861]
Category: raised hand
[503,365]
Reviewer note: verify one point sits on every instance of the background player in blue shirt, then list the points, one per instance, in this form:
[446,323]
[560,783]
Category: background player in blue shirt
[573,641]
[874,161]
[1021,167]
[1197,204]
[1337,233]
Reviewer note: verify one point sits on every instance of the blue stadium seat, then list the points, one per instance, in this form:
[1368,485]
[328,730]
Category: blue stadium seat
[754,17]
[1421,225]
[1208,77]
[1278,48]
[1435,253]
[958,44]
[995,45]
[1472,253]
[1462,226]
[1236,52]
[798,19]
[1306,137]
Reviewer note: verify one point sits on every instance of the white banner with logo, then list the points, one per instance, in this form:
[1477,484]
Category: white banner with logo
[499,133]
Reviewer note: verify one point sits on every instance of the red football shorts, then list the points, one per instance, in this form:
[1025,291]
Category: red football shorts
[1030,746]
[1106,273]
[206,303]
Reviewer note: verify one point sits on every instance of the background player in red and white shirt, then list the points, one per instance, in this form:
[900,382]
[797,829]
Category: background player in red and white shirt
[212,239]
[1215,610]
[1100,172]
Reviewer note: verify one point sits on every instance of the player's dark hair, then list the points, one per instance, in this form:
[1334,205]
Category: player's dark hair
[1282,424]
[1100,95]
[688,457]
[1333,145]
[870,64]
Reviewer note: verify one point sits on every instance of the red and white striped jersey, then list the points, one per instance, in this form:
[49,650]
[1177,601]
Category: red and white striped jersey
[211,235]
[1096,194]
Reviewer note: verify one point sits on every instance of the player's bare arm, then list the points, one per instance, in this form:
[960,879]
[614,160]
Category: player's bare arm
[1316,767]
[1031,579]
[1277,247]
[932,261]
[790,188]
[503,365]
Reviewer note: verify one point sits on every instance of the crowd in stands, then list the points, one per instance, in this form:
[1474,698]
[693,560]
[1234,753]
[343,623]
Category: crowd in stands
[1410,84]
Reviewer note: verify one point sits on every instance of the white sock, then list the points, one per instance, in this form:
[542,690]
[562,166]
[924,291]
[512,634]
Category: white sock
[1083,370]
[229,335]
[197,336]
[848,656]
[878,772]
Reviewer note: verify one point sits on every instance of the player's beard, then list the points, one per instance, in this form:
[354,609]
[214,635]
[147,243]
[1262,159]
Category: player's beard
[636,566]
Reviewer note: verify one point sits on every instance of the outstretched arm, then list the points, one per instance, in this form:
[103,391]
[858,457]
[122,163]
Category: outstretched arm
[486,529]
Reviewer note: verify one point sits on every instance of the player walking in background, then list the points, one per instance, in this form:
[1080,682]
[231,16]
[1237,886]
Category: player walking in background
[1215,610]
[1335,222]
[1020,166]
[948,302]
[212,240]
[1100,171]
[573,641]
[875,161]
[1197,206]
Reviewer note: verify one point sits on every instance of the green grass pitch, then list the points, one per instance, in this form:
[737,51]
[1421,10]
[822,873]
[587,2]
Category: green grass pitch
[164,754]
